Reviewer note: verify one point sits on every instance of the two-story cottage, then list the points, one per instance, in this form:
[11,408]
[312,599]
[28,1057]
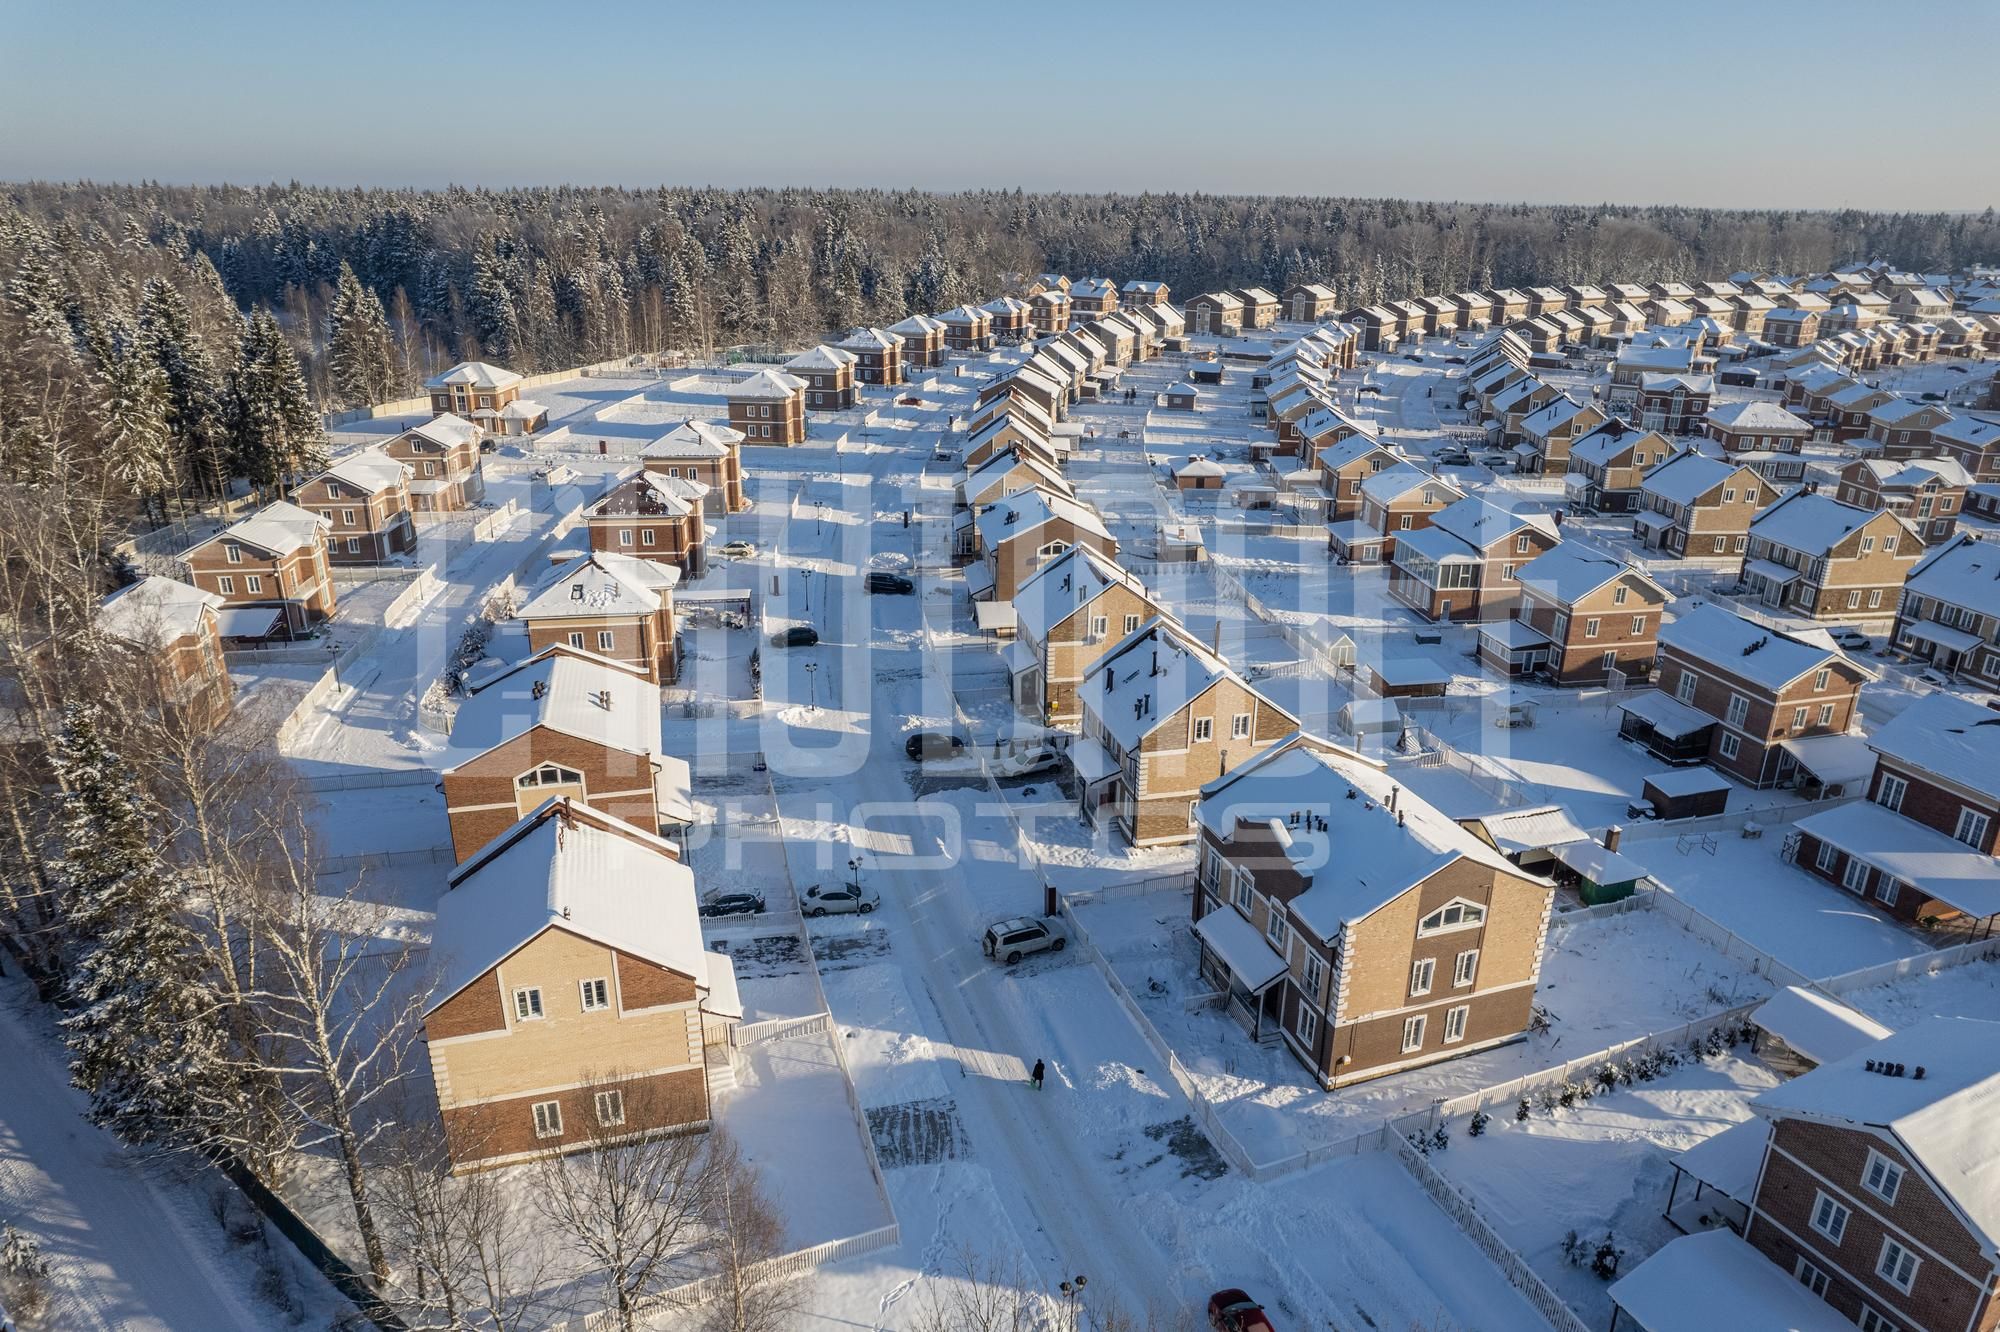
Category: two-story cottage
[1634,363]
[365,499]
[1763,435]
[176,628]
[652,517]
[272,567]
[1354,921]
[1025,530]
[1013,319]
[1345,463]
[923,341]
[1162,716]
[1069,613]
[769,407]
[562,723]
[1845,412]
[1929,492]
[1699,507]
[1553,427]
[1973,443]
[1260,307]
[829,376]
[1607,465]
[1310,302]
[1049,311]
[1093,298]
[610,605]
[1005,473]
[1397,501]
[1922,846]
[1463,566]
[1949,614]
[444,461]
[1143,291]
[1732,693]
[967,328]
[1791,328]
[1583,615]
[573,1004]
[1811,555]
[1674,404]
[1218,313]
[705,453]
[1902,428]
[487,396]
[878,354]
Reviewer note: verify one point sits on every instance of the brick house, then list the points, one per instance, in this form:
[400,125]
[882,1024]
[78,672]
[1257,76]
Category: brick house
[769,407]
[1762,435]
[1846,411]
[967,328]
[1922,846]
[877,353]
[1673,404]
[1309,302]
[1024,531]
[1068,614]
[1142,291]
[923,341]
[1929,492]
[1509,306]
[610,605]
[1093,298]
[1809,387]
[652,517]
[1695,506]
[275,560]
[1463,566]
[1161,717]
[1048,391]
[1902,428]
[1974,444]
[1050,311]
[1732,693]
[706,453]
[1865,1207]
[1551,428]
[562,723]
[1949,614]
[1013,319]
[1811,555]
[1607,465]
[1344,464]
[1219,313]
[1019,426]
[1003,474]
[446,474]
[1260,307]
[179,628]
[1792,328]
[829,376]
[1583,294]
[1355,922]
[1584,616]
[1513,405]
[487,396]
[1400,500]
[365,499]
[574,1005]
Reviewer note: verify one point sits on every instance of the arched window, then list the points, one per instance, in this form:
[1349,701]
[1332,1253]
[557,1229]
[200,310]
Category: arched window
[1457,914]
[548,774]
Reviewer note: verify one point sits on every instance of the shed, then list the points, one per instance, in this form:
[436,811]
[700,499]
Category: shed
[1180,543]
[1353,542]
[1182,396]
[1205,372]
[1409,677]
[1527,837]
[1724,1170]
[1600,873]
[1371,716]
[1816,1028]
[1686,793]
[1199,474]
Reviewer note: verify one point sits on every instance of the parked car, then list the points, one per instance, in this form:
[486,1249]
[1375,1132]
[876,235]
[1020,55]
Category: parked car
[1851,638]
[1368,388]
[1495,460]
[799,635]
[1452,458]
[1234,1311]
[891,583]
[841,898]
[1026,763]
[1011,940]
[933,745]
[733,904]
[739,550]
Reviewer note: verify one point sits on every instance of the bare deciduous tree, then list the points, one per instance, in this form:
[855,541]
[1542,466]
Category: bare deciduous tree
[746,1230]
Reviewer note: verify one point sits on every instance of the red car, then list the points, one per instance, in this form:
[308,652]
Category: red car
[1234,1311]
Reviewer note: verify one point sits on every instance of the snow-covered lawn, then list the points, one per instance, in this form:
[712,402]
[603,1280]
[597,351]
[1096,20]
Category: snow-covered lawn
[1972,990]
[1600,1166]
[1604,980]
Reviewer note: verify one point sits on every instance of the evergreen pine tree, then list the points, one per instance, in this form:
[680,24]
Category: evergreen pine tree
[193,383]
[491,307]
[131,411]
[360,353]
[274,430]
[141,1024]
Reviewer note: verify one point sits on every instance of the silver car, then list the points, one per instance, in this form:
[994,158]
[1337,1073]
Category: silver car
[841,898]
[1011,940]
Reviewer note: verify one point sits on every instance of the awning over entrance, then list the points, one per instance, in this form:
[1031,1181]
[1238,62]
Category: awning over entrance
[1729,1161]
[1254,964]
[248,621]
[1669,717]
[1937,866]
[1777,575]
[1951,640]
[1091,763]
[1836,760]
[1699,1283]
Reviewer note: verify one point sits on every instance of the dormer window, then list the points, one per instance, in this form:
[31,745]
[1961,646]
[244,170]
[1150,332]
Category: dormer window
[549,774]
[1457,914]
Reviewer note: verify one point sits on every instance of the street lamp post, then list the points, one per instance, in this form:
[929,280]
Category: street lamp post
[819,512]
[812,685]
[854,872]
[1072,1293]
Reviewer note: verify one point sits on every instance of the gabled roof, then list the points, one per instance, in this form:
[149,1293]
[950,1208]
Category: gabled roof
[822,359]
[694,439]
[1150,675]
[1065,585]
[1764,656]
[1814,523]
[966,314]
[1005,305]
[1393,482]
[155,611]
[917,326]
[870,340]
[1095,288]
[567,690]
[1947,1120]
[445,430]
[1962,572]
[1344,451]
[278,529]
[476,375]
[643,494]
[1571,572]
[369,471]
[1686,477]
[1003,463]
[568,867]
[1901,409]
[767,385]
[601,583]
[1324,420]
[1479,522]
[1026,510]
[1256,296]
[1909,473]
[1759,416]
[1951,737]
[1612,438]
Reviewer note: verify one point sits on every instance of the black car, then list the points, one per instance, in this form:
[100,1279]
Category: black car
[733,904]
[894,584]
[932,745]
[799,635]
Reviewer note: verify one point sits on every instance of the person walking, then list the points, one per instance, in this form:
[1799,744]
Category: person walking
[1036,1076]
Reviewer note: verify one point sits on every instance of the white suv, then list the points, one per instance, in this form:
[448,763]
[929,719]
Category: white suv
[1011,940]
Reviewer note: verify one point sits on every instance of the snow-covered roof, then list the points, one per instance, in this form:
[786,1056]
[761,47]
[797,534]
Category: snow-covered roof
[1025,510]
[602,582]
[1514,831]
[1754,652]
[1604,444]
[1919,855]
[1667,715]
[1597,863]
[1150,675]
[644,494]
[772,385]
[1392,482]
[1341,452]
[1901,473]
[694,439]
[445,430]
[1901,409]
[1005,305]
[1551,415]
[1969,432]
[1200,467]
[523,409]
[1686,477]
[1811,522]
[1945,1120]
[155,611]
[1064,585]
[278,528]
[1713,1279]
[569,867]
[1962,572]
[917,326]
[1659,357]
[1758,417]
[1729,1160]
[1251,960]
[1817,1025]
[1854,396]
[1945,736]
[1479,522]
[1668,382]
[1094,288]
[1837,760]
[567,690]
[369,471]
[821,360]
[1357,854]
[476,375]
[965,314]
[1570,572]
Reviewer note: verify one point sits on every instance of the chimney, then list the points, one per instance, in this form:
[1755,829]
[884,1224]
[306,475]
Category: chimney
[604,699]
[1612,836]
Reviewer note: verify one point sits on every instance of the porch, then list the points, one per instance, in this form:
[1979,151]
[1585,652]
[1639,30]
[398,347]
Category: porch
[1246,969]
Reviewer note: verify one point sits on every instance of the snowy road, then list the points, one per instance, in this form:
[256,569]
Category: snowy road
[124,1257]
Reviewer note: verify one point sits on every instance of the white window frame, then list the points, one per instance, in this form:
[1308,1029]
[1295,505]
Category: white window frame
[1100,626]
[1314,979]
[1455,1019]
[576,639]
[1824,858]
[1132,623]
[1973,826]
[1881,1176]
[548,1119]
[1277,930]
[1308,1026]
[528,1004]
[1896,1256]
[1423,974]
[1854,876]
[226,584]
[1204,729]
[1820,680]
[1685,686]
[1889,792]
[1239,726]
[1738,710]
[607,640]
[1873,1321]
[1829,1216]
[1413,1033]
[648,537]
[1465,968]
[1729,746]
[1242,892]
[1471,916]
[1888,890]
[1591,626]
[624,536]
[254,584]
[1811,1277]
[595,994]
[610,1107]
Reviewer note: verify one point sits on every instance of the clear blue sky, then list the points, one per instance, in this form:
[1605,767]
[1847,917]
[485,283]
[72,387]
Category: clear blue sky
[1755,102]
